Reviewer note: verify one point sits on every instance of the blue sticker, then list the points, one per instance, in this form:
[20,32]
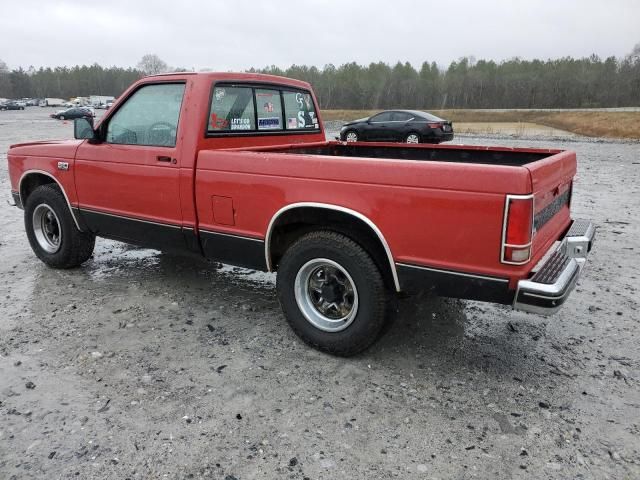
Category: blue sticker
[268,123]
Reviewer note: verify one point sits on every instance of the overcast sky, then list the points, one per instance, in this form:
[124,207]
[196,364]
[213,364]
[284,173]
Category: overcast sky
[236,35]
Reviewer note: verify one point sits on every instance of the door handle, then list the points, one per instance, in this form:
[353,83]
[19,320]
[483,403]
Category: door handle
[164,158]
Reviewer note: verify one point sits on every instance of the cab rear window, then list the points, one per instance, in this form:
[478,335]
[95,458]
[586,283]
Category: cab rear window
[237,109]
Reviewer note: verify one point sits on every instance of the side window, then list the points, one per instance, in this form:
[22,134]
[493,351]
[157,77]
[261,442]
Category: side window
[269,109]
[231,109]
[299,110]
[381,117]
[401,117]
[148,117]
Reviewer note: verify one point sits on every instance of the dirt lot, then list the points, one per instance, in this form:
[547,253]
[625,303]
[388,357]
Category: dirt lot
[143,365]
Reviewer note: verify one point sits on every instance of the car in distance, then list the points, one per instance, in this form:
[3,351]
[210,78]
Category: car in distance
[73,112]
[409,126]
[11,105]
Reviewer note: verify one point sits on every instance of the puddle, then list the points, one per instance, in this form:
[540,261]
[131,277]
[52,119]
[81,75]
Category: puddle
[112,257]
[262,278]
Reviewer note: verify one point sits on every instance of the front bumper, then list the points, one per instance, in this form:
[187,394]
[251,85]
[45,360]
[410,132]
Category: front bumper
[550,286]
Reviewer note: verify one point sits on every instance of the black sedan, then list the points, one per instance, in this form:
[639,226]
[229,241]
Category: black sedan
[73,112]
[10,105]
[409,126]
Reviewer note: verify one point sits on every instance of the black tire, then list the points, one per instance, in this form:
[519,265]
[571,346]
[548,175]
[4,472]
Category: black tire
[75,247]
[369,319]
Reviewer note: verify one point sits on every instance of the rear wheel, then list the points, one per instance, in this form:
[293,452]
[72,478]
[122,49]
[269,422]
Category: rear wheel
[332,293]
[52,232]
[412,138]
[351,136]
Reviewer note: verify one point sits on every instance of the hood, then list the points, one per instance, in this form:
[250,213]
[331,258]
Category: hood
[46,148]
[360,120]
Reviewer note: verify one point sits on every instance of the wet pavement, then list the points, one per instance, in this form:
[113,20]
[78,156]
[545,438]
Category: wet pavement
[145,365]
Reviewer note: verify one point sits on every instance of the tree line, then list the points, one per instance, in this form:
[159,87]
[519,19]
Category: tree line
[64,82]
[567,82]
[78,81]
[559,83]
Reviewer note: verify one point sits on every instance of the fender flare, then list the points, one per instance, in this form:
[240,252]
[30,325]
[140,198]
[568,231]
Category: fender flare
[327,206]
[47,174]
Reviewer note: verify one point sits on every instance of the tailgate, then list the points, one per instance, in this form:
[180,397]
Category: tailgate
[551,179]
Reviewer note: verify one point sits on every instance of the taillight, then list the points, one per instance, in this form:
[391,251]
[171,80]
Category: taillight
[517,227]
[434,125]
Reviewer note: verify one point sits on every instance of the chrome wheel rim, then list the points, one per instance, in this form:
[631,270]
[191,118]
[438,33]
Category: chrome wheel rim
[352,137]
[413,138]
[46,228]
[326,295]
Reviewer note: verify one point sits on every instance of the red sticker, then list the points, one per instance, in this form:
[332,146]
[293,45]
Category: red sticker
[217,123]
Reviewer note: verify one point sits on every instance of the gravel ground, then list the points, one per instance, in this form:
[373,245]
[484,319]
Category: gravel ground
[144,365]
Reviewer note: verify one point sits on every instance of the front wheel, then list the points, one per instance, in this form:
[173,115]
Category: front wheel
[51,231]
[332,293]
[351,136]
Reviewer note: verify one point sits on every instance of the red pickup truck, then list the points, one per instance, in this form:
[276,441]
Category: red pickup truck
[237,168]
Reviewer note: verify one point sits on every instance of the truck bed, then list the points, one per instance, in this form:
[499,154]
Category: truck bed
[516,157]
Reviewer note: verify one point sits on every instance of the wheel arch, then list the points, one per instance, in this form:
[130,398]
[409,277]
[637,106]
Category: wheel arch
[294,220]
[32,179]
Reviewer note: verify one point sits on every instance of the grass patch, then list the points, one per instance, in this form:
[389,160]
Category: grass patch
[588,123]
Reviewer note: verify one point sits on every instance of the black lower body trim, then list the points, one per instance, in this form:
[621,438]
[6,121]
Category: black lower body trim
[446,283]
[234,250]
[168,238]
[16,199]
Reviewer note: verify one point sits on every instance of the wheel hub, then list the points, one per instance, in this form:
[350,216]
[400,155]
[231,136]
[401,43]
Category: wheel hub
[331,292]
[46,228]
[326,295]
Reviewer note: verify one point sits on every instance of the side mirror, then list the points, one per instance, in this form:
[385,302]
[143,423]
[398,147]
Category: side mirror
[83,129]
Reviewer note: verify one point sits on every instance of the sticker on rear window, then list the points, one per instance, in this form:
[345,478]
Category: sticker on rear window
[268,123]
[240,124]
[268,107]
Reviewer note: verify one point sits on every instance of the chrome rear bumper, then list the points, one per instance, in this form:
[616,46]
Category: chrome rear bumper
[546,291]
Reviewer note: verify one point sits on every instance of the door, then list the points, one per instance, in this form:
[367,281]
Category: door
[401,125]
[128,184]
[378,128]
